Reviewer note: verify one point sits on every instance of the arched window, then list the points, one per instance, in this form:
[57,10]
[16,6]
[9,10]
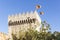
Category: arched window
[28,20]
[24,21]
[15,22]
[34,20]
[10,22]
[20,21]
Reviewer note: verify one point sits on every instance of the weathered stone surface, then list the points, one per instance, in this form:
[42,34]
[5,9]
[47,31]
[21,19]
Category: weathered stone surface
[3,36]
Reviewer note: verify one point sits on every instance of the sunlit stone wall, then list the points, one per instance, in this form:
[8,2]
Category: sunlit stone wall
[23,22]
[3,36]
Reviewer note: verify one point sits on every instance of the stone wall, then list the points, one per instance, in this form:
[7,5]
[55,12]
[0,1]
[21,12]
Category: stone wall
[22,22]
[3,36]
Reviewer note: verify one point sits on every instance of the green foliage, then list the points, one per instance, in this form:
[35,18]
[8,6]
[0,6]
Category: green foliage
[44,34]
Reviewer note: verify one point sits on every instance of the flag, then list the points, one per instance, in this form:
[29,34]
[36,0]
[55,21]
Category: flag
[38,6]
[41,13]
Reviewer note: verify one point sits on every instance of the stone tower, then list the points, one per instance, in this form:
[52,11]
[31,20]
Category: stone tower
[22,22]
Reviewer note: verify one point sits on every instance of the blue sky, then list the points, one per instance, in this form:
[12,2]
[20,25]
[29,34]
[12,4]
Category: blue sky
[51,10]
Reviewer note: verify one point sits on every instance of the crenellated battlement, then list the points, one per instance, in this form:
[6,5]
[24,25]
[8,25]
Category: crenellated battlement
[24,16]
[21,14]
[22,22]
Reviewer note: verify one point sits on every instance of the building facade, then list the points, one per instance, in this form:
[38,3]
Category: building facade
[22,22]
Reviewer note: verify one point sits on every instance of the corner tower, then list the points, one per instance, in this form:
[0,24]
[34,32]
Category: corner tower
[22,22]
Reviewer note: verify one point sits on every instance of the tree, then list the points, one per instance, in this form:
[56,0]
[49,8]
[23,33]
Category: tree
[44,34]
